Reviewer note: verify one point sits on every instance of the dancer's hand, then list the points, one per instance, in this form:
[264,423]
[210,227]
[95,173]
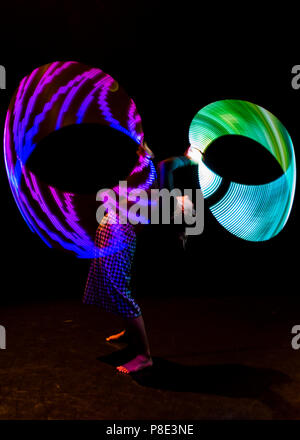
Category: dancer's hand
[194,154]
[144,150]
[185,205]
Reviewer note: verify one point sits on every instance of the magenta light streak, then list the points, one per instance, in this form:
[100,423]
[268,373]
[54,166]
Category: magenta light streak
[133,119]
[52,96]
[84,78]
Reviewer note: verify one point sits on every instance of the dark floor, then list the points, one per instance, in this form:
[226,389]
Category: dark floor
[214,358]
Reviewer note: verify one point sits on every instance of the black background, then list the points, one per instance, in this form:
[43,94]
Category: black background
[172,59]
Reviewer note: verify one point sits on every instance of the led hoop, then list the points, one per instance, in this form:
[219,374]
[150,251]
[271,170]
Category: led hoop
[251,212]
[51,97]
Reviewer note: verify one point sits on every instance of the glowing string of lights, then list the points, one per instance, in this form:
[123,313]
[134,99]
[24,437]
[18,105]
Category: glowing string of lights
[251,212]
[49,98]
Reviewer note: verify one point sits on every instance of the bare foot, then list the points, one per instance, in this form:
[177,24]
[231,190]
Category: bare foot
[116,337]
[138,363]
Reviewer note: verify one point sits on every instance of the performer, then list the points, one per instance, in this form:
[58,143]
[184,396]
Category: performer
[109,279]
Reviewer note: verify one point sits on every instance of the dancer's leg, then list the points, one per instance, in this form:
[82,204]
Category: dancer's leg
[138,340]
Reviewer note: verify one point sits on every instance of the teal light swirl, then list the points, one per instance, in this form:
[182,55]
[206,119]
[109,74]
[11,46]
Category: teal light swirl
[251,212]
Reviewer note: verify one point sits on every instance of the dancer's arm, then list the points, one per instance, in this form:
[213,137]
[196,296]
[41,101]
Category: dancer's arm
[166,170]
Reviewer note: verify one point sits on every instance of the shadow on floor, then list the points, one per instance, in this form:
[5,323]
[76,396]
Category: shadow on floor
[230,380]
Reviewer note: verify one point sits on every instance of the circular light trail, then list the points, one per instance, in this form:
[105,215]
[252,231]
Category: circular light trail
[251,212]
[53,96]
